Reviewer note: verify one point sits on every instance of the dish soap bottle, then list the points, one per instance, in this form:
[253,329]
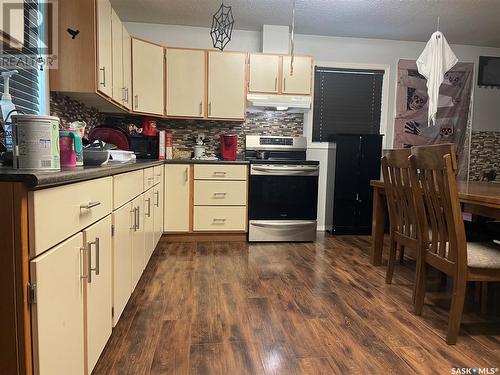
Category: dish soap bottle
[8,108]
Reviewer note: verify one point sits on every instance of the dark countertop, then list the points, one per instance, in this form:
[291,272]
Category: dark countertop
[42,179]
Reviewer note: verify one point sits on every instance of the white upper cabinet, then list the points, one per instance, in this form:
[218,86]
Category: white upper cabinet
[148,77]
[127,68]
[185,82]
[226,85]
[300,82]
[117,42]
[104,48]
[264,73]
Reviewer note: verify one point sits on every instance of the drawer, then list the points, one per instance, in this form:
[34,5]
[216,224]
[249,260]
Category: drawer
[57,213]
[220,172]
[220,193]
[149,178]
[158,173]
[219,219]
[127,186]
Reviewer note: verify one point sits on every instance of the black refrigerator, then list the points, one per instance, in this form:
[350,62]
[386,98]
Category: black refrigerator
[352,164]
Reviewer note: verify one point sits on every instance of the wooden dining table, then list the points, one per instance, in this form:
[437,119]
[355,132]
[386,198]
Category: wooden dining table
[477,198]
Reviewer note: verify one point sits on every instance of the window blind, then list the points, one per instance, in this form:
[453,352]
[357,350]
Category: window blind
[346,101]
[24,87]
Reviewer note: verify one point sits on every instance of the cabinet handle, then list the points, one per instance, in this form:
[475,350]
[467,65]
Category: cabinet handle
[186,179]
[276,83]
[138,213]
[89,205]
[97,260]
[83,251]
[134,226]
[157,193]
[103,70]
[89,262]
[126,94]
[210,108]
[148,214]
[201,108]
[136,104]
[284,83]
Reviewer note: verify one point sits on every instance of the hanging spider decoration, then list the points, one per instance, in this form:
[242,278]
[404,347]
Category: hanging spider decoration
[222,27]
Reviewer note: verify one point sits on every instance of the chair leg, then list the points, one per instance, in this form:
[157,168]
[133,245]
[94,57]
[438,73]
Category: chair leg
[391,261]
[401,254]
[456,309]
[419,288]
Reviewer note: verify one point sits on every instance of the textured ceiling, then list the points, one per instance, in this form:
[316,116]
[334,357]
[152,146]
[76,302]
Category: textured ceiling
[473,22]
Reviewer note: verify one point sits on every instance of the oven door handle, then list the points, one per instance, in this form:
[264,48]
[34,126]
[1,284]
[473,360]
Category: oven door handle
[271,170]
[284,225]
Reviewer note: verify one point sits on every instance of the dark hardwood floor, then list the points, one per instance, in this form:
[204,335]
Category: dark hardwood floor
[321,308]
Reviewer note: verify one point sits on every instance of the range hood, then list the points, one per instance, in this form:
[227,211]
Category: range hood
[295,103]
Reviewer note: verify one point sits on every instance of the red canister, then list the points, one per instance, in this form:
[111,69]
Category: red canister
[228,146]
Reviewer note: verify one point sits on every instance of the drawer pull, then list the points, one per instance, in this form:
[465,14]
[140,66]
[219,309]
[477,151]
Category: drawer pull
[220,173]
[219,220]
[219,194]
[89,205]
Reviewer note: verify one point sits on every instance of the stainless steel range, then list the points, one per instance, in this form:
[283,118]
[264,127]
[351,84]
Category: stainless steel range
[283,191]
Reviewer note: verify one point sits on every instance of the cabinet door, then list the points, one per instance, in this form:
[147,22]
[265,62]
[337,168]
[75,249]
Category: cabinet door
[226,85]
[177,185]
[57,315]
[300,82]
[138,240]
[158,210]
[104,48]
[127,68]
[99,288]
[123,220]
[147,77]
[149,235]
[264,73]
[185,82]
[117,38]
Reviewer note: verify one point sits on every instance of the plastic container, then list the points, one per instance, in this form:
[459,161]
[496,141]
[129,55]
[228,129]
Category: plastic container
[70,144]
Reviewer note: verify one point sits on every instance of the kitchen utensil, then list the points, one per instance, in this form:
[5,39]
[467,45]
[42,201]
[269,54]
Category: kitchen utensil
[199,151]
[92,156]
[112,135]
[36,142]
[70,145]
[228,146]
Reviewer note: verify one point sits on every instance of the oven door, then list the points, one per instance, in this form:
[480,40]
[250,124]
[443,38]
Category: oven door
[283,192]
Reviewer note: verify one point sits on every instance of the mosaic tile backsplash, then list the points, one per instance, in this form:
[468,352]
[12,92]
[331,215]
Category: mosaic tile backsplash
[485,154]
[261,123]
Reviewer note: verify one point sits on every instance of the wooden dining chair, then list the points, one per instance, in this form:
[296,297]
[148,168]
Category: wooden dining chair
[400,205]
[441,233]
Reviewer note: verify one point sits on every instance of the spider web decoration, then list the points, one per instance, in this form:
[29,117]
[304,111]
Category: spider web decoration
[222,27]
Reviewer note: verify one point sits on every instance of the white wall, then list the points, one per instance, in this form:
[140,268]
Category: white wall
[486,115]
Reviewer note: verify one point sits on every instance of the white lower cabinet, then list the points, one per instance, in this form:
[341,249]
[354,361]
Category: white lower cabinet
[123,221]
[158,211]
[97,239]
[149,227]
[72,312]
[57,315]
[138,240]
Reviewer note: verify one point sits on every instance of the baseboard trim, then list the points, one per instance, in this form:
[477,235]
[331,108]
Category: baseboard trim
[205,237]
